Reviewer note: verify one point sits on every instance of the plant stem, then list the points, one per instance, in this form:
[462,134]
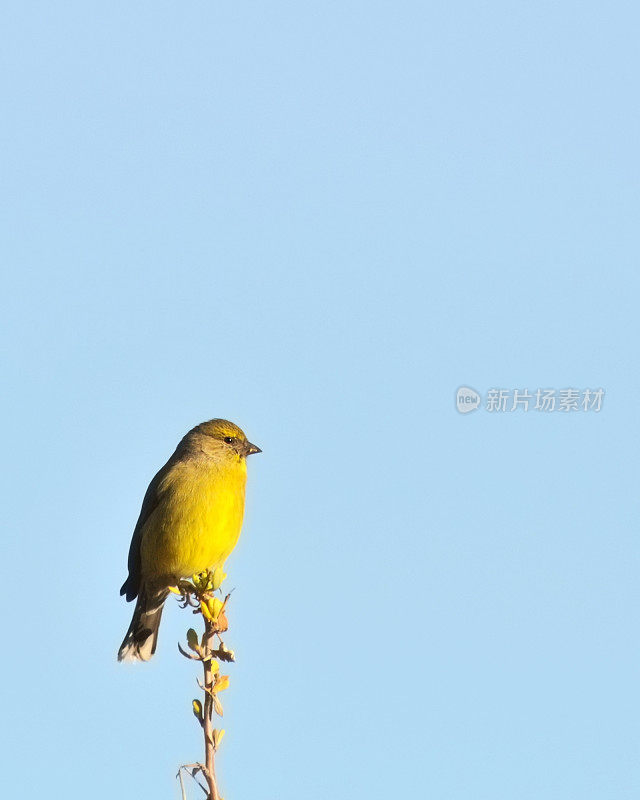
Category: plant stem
[209,750]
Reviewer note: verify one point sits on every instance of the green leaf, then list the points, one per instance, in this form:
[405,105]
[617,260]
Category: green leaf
[216,579]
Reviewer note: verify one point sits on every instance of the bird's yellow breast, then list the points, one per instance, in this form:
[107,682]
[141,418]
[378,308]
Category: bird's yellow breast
[197,521]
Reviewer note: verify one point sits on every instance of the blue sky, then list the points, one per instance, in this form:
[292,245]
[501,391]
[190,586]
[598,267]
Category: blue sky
[319,221]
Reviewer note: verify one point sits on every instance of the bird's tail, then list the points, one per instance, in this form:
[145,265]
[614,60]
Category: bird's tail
[140,641]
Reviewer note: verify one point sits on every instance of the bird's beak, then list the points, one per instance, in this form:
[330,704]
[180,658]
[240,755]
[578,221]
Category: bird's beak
[251,449]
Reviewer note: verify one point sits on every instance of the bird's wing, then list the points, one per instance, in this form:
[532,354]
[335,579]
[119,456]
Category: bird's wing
[152,498]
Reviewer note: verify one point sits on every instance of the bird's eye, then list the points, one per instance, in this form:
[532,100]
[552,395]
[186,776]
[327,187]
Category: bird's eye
[229,439]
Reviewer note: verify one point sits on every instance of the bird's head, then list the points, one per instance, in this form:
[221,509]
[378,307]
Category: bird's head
[221,438]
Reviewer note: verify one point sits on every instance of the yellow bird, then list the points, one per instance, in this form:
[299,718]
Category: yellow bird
[190,521]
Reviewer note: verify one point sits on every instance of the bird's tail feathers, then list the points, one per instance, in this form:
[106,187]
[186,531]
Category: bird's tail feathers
[140,641]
